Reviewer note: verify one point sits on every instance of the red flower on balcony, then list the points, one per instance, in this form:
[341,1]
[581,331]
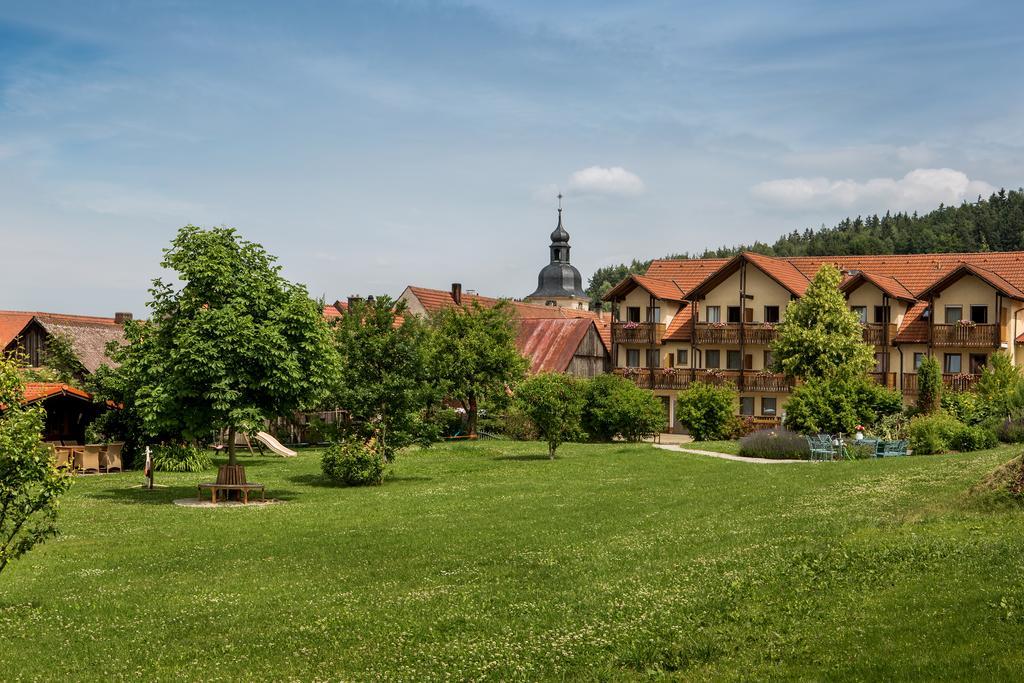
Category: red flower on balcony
[967,323]
[631,325]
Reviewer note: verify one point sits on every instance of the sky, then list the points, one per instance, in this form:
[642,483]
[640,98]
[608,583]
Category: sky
[371,145]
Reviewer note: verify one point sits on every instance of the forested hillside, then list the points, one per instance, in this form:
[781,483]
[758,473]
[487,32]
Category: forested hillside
[993,224]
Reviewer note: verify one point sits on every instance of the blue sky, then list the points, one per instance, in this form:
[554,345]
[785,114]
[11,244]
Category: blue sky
[374,145]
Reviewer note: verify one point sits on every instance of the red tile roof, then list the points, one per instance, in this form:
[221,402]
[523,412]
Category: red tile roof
[89,334]
[39,391]
[550,343]
[914,328]
[11,325]
[679,329]
[890,285]
[435,299]
[662,289]
[686,273]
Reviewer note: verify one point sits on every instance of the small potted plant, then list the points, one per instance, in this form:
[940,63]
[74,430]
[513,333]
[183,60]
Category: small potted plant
[859,436]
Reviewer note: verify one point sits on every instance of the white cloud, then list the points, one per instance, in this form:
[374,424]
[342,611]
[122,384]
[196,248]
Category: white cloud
[613,180]
[115,200]
[922,188]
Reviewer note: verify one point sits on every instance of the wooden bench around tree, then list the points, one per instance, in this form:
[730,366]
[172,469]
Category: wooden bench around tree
[243,490]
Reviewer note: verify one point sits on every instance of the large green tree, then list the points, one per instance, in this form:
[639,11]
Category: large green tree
[30,485]
[474,355]
[229,342]
[385,381]
[820,336]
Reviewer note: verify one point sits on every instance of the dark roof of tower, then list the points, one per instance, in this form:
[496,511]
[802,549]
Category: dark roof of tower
[559,278]
[559,236]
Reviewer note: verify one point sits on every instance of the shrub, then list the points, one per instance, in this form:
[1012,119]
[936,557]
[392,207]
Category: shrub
[838,404]
[1011,431]
[929,385]
[708,411]
[353,462]
[963,405]
[181,457]
[976,438]
[892,427]
[554,403]
[774,443]
[515,424]
[615,406]
[932,433]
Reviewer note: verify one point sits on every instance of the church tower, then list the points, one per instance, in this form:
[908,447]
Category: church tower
[559,283]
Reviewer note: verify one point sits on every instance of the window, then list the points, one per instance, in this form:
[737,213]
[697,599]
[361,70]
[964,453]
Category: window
[880,362]
[768,405]
[951,364]
[918,358]
[632,358]
[881,315]
[733,313]
[979,314]
[768,360]
[732,360]
[653,358]
[771,314]
[746,405]
[862,313]
[954,314]
[714,314]
[653,314]
[633,314]
[712,359]
[682,357]
[976,362]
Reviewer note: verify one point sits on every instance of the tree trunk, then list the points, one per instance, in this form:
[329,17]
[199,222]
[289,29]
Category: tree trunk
[232,460]
[551,451]
[471,415]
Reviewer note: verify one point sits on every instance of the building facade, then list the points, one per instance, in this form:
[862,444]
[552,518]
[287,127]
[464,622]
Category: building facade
[714,320]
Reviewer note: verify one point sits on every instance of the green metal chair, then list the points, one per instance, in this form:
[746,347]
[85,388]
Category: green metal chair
[821,447]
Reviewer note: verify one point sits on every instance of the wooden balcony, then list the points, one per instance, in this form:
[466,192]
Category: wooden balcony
[729,334]
[876,334]
[950,382]
[681,378]
[886,379]
[958,334]
[648,334]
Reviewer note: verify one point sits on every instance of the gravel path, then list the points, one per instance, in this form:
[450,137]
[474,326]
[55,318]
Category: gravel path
[724,456]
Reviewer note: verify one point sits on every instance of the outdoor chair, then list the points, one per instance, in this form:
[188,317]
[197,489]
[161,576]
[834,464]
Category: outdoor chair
[889,449]
[112,457]
[821,447]
[88,458]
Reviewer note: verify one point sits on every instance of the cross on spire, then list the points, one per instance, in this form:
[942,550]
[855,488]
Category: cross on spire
[559,201]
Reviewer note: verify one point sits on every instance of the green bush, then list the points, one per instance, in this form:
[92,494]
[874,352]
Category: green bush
[774,443]
[892,427]
[554,403]
[963,405]
[615,406]
[181,458]
[835,405]
[708,411]
[1011,431]
[353,462]
[933,433]
[929,385]
[973,438]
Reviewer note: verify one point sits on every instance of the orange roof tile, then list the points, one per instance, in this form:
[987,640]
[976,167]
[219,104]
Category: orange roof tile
[914,328]
[657,287]
[39,391]
[679,329]
[888,284]
[686,273]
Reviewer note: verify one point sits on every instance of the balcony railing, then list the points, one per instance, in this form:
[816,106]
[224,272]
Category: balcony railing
[637,333]
[681,378]
[886,379]
[877,334]
[729,333]
[950,381]
[959,334]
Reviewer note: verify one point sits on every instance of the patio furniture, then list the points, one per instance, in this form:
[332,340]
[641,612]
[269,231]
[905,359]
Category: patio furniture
[243,489]
[112,457]
[888,449]
[821,447]
[88,457]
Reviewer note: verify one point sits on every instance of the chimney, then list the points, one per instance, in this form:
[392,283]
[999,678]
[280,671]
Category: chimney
[122,317]
[600,310]
[354,299]
[457,293]
[340,307]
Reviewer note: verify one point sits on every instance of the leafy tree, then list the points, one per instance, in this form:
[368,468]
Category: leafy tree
[554,403]
[474,355]
[820,336]
[929,385]
[233,344]
[30,485]
[606,277]
[707,411]
[999,386]
[60,356]
[615,406]
[384,381]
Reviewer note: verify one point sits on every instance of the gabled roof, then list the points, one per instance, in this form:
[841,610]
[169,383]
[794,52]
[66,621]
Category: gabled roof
[997,282]
[685,273]
[889,285]
[658,288]
[551,343]
[679,329]
[784,273]
[914,327]
[434,300]
[89,334]
[40,391]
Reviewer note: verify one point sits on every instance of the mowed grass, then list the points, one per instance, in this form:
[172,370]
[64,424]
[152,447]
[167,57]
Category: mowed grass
[487,561]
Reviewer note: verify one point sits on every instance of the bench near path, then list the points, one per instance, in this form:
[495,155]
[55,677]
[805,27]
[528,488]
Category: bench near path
[724,456]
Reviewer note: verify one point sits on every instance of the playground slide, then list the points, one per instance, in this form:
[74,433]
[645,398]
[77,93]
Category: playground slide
[274,445]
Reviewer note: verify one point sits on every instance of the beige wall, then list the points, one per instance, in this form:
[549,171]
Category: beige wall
[766,292]
[965,292]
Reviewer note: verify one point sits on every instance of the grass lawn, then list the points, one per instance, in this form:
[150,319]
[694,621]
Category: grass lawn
[730,447]
[487,561]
